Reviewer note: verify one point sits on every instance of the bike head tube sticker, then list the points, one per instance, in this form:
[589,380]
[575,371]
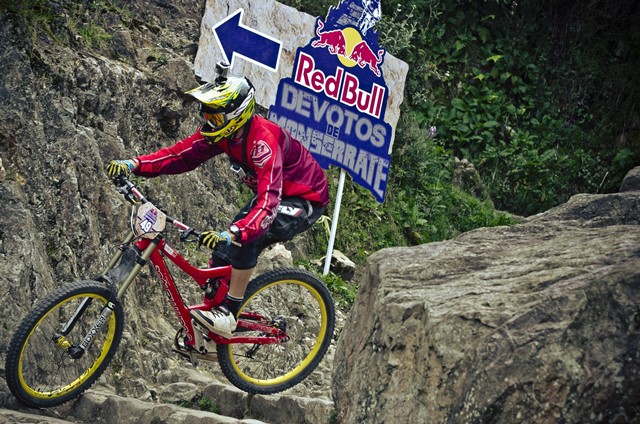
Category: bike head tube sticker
[149,221]
[336,98]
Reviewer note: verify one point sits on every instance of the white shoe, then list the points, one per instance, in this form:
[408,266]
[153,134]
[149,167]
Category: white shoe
[219,320]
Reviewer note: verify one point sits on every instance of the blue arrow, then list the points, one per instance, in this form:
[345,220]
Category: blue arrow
[237,39]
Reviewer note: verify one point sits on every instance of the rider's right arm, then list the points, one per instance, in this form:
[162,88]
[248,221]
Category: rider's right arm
[183,156]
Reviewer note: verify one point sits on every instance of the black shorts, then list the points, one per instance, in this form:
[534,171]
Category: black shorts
[294,216]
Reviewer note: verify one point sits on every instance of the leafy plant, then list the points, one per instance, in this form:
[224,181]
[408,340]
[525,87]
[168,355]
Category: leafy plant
[343,292]
[201,403]
[206,404]
[37,12]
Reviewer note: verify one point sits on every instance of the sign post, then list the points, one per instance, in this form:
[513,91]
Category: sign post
[334,223]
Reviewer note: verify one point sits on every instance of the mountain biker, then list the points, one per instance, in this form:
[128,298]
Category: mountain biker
[290,188]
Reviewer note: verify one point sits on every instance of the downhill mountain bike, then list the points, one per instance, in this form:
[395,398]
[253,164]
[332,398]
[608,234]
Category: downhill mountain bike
[62,346]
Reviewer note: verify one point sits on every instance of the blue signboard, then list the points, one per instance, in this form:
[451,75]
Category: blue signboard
[335,100]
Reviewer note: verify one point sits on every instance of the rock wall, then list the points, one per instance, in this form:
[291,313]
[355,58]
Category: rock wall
[535,323]
[66,112]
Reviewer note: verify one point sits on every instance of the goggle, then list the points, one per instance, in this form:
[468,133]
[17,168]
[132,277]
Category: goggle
[217,120]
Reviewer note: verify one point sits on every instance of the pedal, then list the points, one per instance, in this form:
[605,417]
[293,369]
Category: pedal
[206,347]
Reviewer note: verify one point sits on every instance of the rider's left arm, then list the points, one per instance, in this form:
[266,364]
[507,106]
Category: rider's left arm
[267,157]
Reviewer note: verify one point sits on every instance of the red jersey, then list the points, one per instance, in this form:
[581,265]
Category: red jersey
[280,164]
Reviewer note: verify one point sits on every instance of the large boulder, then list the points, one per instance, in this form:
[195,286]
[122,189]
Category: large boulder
[538,322]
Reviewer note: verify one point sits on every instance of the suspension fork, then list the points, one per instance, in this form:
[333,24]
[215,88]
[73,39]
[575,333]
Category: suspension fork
[105,276]
[141,260]
[76,352]
[86,302]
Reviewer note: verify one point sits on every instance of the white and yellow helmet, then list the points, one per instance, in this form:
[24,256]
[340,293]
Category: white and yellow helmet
[227,104]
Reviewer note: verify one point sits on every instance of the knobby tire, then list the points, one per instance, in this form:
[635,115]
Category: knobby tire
[306,305]
[40,372]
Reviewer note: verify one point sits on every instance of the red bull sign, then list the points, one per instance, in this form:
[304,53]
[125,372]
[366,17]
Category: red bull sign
[335,100]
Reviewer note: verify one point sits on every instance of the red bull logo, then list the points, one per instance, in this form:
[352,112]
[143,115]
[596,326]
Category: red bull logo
[364,56]
[348,45]
[341,86]
[333,40]
[335,100]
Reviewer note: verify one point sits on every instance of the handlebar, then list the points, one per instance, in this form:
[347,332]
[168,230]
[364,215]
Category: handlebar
[131,193]
[127,189]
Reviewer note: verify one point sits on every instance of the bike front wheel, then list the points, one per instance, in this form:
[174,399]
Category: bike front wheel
[300,304]
[64,344]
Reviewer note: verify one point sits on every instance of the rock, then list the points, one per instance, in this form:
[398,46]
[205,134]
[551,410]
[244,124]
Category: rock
[97,408]
[291,409]
[11,416]
[467,178]
[341,265]
[123,46]
[631,181]
[63,222]
[178,393]
[276,256]
[532,323]
[232,402]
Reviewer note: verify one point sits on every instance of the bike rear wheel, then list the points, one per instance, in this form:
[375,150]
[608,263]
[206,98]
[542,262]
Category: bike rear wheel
[302,303]
[45,366]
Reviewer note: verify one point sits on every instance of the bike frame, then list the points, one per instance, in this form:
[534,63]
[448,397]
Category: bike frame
[154,251]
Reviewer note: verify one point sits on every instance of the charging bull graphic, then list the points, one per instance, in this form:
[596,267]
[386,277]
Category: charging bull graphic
[334,40]
[363,55]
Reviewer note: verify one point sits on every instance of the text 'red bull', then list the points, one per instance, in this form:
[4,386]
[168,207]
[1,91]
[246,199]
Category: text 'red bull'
[341,86]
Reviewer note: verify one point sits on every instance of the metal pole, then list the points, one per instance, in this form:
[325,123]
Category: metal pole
[334,223]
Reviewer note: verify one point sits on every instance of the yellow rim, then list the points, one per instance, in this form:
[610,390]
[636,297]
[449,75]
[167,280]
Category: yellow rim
[84,376]
[312,353]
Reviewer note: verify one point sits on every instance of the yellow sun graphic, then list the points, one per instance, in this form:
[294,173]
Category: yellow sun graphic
[351,37]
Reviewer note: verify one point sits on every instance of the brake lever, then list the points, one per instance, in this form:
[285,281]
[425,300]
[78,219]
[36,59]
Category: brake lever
[185,234]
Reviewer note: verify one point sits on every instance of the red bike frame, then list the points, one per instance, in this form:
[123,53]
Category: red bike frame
[156,249]
[246,321]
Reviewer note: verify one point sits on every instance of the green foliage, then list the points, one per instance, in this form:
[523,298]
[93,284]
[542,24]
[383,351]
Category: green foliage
[398,30]
[88,23]
[430,208]
[333,418]
[532,93]
[206,404]
[201,403]
[343,292]
[90,34]
[36,12]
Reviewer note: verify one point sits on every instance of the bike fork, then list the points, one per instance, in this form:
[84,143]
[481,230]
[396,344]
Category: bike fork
[141,261]
[76,352]
[74,318]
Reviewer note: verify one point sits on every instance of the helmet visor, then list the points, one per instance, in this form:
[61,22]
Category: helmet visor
[217,120]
